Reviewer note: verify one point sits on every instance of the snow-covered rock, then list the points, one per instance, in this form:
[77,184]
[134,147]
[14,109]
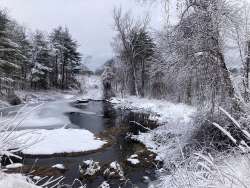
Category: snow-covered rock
[114,171]
[133,159]
[146,179]
[104,185]
[59,166]
[89,168]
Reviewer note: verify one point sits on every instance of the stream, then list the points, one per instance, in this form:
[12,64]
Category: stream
[103,120]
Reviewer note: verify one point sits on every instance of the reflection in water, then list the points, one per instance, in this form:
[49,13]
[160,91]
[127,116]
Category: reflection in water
[117,124]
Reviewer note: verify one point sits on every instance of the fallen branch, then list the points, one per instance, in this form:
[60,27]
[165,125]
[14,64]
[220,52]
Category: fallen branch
[136,123]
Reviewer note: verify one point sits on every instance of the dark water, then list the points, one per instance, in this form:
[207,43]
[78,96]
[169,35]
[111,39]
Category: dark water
[99,117]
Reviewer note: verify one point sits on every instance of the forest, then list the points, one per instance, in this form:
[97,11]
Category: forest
[169,108]
[36,60]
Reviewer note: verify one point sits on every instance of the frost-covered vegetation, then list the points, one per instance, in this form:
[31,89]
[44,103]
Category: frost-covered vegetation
[201,59]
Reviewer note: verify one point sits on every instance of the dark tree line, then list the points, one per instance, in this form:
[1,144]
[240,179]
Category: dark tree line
[36,60]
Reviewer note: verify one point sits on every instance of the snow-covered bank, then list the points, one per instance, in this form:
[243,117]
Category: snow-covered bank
[57,141]
[222,170]
[165,110]
[91,87]
[176,124]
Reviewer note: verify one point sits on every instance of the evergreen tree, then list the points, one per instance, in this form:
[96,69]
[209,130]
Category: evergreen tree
[41,66]
[67,58]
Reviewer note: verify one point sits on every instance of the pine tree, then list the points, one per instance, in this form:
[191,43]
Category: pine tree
[67,58]
[41,66]
[10,54]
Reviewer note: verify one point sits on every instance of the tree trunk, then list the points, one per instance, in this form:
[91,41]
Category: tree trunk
[63,75]
[143,79]
[246,72]
[135,80]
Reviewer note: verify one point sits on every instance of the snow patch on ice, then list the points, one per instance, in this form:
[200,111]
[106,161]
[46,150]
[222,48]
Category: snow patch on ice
[49,142]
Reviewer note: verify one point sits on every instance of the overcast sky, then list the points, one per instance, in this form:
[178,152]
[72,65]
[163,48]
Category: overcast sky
[89,21]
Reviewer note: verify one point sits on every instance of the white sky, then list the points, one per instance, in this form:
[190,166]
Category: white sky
[89,21]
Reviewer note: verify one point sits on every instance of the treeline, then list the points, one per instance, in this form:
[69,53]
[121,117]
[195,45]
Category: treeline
[36,60]
[129,71]
[184,62]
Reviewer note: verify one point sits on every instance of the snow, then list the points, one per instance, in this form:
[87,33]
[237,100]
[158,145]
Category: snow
[221,171]
[114,170]
[49,142]
[3,104]
[104,185]
[133,159]
[91,87]
[237,167]
[14,181]
[59,166]
[34,97]
[165,110]
[14,165]
[114,165]
[133,156]
[36,178]
[46,115]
